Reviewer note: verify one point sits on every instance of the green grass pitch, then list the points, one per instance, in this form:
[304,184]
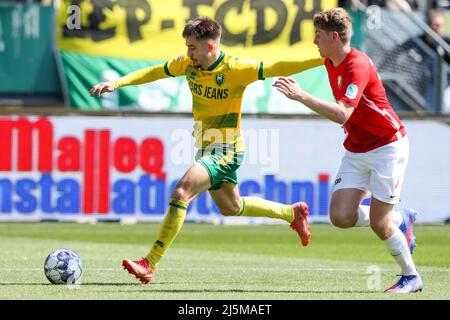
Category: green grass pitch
[219,262]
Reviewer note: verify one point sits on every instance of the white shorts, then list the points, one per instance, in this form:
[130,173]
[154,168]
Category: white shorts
[379,171]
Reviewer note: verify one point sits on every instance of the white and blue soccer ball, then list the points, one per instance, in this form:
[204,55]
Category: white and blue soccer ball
[63,266]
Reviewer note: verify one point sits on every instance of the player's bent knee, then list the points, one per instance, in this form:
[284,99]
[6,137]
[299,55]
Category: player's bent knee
[180,194]
[228,213]
[376,226]
[341,221]
[230,210]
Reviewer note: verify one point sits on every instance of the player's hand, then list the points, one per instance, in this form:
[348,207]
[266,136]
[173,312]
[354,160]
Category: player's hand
[289,88]
[102,87]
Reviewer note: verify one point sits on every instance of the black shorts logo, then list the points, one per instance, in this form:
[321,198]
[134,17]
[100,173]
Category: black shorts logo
[338,180]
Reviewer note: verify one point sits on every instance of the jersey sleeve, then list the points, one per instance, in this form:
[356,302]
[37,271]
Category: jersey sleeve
[354,81]
[177,66]
[144,75]
[287,68]
[173,68]
[247,71]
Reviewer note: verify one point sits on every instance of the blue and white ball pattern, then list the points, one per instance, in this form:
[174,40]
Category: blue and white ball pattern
[63,266]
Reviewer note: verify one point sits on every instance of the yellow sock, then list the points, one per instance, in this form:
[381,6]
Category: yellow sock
[169,229]
[257,207]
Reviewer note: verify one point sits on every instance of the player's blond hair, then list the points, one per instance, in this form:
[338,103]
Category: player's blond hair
[335,20]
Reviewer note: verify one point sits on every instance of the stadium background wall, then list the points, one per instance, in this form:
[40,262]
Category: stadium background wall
[122,168]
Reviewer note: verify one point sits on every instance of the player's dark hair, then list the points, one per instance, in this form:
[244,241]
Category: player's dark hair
[202,28]
[335,20]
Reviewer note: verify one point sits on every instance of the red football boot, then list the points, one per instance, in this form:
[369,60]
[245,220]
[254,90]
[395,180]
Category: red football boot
[300,223]
[140,269]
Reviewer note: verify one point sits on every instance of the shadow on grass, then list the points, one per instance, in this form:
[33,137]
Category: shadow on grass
[151,288]
[69,285]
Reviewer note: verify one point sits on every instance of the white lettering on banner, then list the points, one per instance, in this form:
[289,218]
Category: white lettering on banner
[2,42]
[31,22]
[114,168]
[26,17]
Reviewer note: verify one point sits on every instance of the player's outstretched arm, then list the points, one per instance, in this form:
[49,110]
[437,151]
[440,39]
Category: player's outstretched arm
[338,112]
[287,68]
[145,75]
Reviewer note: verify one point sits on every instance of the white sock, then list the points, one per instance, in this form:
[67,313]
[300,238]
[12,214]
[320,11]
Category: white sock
[364,217]
[397,218]
[398,247]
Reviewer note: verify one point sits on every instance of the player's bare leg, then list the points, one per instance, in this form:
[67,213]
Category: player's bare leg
[194,182]
[346,211]
[227,199]
[230,203]
[344,207]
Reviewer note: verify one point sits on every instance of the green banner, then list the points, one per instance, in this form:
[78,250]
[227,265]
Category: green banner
[27,59]
[172,94]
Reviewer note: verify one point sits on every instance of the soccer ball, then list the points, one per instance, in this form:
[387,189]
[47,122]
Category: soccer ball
[63,266]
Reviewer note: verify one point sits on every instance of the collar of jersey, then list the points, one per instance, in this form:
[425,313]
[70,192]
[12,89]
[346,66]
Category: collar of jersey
[215,64]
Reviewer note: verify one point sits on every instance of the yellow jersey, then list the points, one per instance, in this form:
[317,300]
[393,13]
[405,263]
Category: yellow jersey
[217,92]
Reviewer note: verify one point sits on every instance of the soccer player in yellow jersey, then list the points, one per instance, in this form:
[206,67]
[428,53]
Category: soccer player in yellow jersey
[217,82]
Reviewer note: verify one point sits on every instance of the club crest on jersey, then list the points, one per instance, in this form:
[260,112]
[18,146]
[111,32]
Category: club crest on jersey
[192,74]
[220,78]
